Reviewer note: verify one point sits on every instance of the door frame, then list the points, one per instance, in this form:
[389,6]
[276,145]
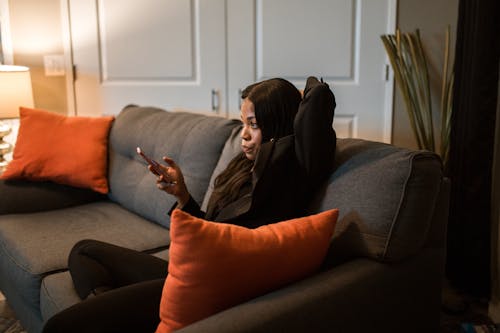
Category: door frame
[6,38]
[68,57]
[389,75]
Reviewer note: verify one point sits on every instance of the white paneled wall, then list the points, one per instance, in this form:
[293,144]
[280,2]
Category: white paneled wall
[198,55]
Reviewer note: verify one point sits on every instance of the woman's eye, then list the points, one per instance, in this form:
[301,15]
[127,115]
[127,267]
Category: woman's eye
[254,125]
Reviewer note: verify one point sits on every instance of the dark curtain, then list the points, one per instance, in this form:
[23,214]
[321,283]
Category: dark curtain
[472,143]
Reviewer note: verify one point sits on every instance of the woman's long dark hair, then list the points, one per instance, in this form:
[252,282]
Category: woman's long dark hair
[276,102]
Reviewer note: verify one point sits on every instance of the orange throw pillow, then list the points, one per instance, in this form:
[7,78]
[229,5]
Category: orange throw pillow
[65,150]
[214,266]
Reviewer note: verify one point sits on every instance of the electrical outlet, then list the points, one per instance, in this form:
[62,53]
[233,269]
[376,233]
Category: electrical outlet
[54,65]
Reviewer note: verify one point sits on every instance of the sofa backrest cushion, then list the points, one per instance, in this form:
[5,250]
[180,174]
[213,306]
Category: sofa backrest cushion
[386,196]
[194,141]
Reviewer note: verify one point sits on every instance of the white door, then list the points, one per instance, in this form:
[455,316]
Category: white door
[166,53]
[198,54]
[338,40]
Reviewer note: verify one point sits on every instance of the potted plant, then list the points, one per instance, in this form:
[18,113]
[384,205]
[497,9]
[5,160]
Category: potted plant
[409,63]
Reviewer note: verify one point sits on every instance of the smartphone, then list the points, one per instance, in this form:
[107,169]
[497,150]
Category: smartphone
[155,166]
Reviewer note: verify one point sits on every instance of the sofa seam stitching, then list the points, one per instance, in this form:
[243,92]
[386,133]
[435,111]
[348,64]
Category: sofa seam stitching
[400,204]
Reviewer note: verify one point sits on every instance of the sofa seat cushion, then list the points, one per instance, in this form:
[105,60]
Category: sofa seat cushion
[34,245]
[386,196]
[56,294]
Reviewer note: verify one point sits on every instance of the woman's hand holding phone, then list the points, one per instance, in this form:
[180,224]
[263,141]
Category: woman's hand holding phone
[169,178]
[154,166]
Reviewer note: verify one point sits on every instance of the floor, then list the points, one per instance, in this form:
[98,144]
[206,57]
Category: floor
[461,314]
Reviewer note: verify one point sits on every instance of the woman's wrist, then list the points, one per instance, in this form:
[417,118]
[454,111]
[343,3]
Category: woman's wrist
[183,199]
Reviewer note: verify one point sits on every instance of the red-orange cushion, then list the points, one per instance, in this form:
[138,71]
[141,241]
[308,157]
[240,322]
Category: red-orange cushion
[214,266]
[65,150]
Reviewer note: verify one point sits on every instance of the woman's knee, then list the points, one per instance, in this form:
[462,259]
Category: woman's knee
[83,244]
[85,247]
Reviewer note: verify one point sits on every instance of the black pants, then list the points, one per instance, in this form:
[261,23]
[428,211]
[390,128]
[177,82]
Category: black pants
[132,282]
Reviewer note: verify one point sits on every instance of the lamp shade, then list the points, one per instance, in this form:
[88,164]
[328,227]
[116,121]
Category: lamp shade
[15,90]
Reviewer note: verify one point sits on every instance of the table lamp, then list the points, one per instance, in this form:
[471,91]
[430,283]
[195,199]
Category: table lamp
[15,91]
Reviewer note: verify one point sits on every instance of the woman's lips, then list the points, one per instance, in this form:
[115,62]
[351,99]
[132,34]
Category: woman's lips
[246,150]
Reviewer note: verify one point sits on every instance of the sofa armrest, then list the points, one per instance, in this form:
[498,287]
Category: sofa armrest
[359,296]
[27,197]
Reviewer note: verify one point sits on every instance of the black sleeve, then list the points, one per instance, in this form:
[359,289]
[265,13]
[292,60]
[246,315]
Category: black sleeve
[315,138]
[190,207]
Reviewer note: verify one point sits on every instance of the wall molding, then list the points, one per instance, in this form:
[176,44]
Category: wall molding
[6,37]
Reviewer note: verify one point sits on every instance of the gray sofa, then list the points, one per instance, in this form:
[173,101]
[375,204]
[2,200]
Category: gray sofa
[383,271]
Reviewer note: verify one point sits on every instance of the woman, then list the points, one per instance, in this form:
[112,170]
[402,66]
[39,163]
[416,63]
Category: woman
[268,111]
[280,143]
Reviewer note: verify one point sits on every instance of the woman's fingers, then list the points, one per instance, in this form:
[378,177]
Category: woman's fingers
[171,180]
[166,180]
[168,176]
[167,187]
[170,162]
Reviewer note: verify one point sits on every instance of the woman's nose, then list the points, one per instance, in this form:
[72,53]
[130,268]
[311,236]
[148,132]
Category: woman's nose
[245,135]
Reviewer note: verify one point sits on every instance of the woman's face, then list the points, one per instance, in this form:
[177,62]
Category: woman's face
[251,135]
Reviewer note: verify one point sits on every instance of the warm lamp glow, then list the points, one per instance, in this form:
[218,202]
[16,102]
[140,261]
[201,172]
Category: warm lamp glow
[15,90]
